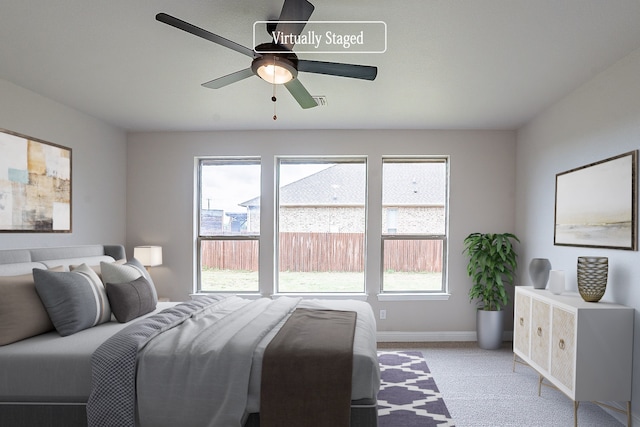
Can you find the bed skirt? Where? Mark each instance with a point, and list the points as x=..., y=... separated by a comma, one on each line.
x=75, y=415
x=56, y=415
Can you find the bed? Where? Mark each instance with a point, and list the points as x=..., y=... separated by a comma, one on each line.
x=46, y=379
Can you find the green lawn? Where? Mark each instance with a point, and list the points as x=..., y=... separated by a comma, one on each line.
x=247, y=281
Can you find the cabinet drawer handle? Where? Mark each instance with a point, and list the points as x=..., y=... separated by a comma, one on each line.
x=522, y=321
x=561, y=344
x=539, y=331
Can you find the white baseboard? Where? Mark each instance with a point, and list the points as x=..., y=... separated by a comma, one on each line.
x=397, y=336
x=443, y=336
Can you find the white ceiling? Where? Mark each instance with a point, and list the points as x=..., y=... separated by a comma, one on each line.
x=449, y=64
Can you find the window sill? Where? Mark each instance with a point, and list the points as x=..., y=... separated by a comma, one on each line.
x=253, y=295
x=413, y=297
x=248, y=295
x=358, y=296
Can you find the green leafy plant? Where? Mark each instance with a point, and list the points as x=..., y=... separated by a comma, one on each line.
x=493, y=262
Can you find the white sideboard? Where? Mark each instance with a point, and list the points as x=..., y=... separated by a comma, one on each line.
x=584, y=349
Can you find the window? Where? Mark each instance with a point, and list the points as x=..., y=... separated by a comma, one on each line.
x=320, y=226
x=321, y=215
x=414, y=215
x=228, y=224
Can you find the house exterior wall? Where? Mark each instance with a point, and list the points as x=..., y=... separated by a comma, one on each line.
x=253, y=219
x=414, y=220
x=323, y=219
x=320, y=219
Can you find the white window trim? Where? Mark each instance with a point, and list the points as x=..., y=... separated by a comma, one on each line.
x=328, y=295
x=443, y=294
x=197, y=283
x=278, y=160
x=373, y=238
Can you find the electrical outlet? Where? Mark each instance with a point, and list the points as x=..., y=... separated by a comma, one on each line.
x=383, y=314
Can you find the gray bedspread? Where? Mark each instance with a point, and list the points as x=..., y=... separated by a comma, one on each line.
x=196, y=373
x=113, y=390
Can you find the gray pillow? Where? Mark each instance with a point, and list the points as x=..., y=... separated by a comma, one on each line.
x=74, y=300
x=124, y=273
x=130, y=300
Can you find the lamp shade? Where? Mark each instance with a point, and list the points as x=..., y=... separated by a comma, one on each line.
x=148, y=256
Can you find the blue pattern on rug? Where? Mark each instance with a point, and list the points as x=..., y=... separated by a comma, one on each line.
x=408, y=394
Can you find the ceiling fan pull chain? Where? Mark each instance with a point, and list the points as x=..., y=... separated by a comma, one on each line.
x=274, y=99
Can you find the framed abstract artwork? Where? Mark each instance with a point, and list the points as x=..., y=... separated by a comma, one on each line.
x=596, y=204
x=35, y=185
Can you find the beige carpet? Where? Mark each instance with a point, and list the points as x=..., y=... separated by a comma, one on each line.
x=481, y=390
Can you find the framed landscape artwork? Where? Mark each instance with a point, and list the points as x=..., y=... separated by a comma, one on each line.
x=35, y=185
x=596, y=204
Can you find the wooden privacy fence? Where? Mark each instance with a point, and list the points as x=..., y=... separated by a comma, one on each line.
x=413, y=255
x=320, y=252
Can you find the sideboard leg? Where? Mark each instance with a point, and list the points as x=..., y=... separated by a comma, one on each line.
x=629, y=414
x=540, y=378
x=575, y=413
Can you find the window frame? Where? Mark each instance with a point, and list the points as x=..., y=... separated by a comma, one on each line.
x=443, y=292
x=222, y=160
x=319, y=159
x=268, y=237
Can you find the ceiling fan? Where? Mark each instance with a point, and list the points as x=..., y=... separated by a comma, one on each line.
x=275, y=62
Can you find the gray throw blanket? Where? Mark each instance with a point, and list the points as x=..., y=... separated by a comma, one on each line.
x=112, y=399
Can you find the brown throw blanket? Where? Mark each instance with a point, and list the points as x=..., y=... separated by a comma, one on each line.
x=306, y=371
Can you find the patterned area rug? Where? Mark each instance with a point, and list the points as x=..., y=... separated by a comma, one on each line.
x=408, y=394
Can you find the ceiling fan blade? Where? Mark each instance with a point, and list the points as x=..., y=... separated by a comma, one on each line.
x=293, y=10
x=228, y=79
x=197, y=31
x=301, y=95
x=354, y=71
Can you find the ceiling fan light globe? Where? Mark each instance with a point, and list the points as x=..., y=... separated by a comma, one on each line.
x=274, y=69
x=274, y=74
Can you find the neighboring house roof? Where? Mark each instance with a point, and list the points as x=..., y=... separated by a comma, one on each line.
x=405, y=184
x=414, y=184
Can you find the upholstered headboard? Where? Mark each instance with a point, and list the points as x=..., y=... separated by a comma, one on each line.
x=23, y=261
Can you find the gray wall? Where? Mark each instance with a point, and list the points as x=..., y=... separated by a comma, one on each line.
x=160, y=202
x=599, y=120
x=98, y=167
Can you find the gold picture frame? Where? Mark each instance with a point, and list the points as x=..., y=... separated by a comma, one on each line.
x=35, y=185
x=596, y=204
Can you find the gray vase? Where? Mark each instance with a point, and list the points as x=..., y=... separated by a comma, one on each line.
x=539, y=272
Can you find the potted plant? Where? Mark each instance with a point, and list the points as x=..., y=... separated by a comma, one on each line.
x=492, y=266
